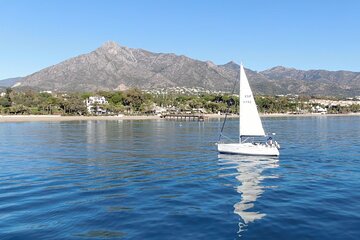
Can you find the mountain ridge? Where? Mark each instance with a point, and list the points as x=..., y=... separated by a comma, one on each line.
x=115, y=67
x=9, y=82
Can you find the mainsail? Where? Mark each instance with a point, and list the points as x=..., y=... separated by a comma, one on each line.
x=250, y=123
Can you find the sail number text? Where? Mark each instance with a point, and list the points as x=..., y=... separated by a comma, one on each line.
x=247, y=98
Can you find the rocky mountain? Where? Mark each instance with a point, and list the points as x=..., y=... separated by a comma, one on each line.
x=9, y=82
x=114, y=67
x=316, y=82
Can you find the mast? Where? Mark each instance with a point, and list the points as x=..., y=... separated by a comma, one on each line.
x=241, y=66
x=227, y=111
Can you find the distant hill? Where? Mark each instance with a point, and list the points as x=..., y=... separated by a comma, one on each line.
x=114, y=67
x=316, y=82
x=9, y=82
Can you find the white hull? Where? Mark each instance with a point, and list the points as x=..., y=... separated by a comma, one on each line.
x=248, y=149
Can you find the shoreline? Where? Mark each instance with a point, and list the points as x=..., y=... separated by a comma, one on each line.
x=59, y=118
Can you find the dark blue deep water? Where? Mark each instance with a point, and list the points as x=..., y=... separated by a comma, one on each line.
x=165, y=180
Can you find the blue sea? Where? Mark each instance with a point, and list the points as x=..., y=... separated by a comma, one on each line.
x=160, y=179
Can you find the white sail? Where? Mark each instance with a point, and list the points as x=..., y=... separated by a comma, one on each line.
x=250, y=123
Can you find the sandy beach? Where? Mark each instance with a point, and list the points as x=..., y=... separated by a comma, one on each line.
x=58, y=118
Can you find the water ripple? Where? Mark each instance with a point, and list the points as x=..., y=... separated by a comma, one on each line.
x=160, y=180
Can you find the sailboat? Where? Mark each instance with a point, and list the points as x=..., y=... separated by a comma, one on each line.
x=250, y=127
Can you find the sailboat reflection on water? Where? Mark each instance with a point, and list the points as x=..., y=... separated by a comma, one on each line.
x=250, y=176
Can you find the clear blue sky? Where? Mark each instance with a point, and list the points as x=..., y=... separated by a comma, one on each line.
x=301, y=34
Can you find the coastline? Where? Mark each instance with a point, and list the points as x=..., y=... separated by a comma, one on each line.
x=59, y=118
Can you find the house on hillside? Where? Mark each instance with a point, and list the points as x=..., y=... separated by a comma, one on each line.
x=94, y=105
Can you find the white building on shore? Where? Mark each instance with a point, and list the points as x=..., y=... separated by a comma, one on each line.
x=319, y=109
x=94, y=105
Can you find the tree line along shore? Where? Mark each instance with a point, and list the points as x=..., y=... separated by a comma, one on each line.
x=134, y=102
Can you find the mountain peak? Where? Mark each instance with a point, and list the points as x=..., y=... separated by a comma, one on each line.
x=114, y=51
x=279, y=69
x=110, y=45
x=232, y=65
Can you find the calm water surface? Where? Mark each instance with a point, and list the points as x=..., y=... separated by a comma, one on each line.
x=164, y=180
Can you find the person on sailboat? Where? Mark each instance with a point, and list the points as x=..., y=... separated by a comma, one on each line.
x=269, y=141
